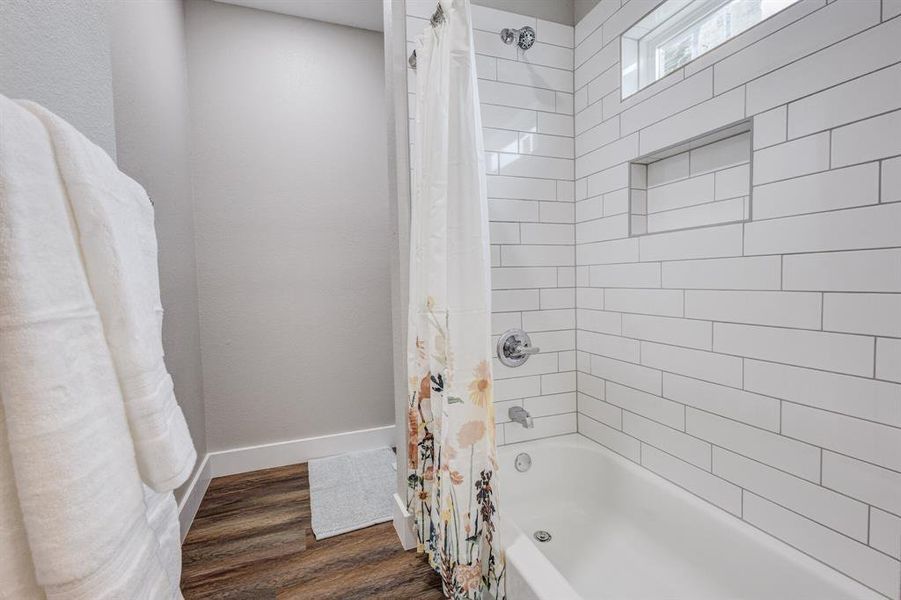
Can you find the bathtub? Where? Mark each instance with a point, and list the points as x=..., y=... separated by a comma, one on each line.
x=621, y=532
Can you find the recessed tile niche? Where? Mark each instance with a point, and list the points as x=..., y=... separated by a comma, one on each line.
x=703, y=181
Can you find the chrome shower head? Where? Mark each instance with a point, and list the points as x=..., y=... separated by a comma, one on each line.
x=524, y=37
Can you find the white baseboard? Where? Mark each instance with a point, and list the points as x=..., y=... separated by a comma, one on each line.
x=190, y=502
x=403, y=524
x=266, y=456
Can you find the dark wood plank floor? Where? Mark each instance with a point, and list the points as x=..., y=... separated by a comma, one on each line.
x=251, y=540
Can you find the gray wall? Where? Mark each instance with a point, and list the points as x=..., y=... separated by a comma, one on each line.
x=152, y=132
x=558, y=11
x=583, y=7
x=58, y=54
x=292, y=225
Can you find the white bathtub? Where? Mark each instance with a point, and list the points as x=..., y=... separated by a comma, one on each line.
x=621, y=532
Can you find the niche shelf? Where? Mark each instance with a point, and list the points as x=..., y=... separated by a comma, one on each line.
x=700, y=182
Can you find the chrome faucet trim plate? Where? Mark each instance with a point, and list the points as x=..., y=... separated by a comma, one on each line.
x=515, y=347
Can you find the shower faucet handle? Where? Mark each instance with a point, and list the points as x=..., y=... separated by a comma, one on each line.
x=515, y=347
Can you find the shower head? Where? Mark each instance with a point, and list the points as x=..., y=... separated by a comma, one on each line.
x=524, y=37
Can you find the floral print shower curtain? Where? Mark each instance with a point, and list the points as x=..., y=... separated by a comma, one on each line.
x=451, y=455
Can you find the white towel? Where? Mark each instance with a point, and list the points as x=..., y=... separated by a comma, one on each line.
x=80, y=523
x=16, y=573
x=116, y=234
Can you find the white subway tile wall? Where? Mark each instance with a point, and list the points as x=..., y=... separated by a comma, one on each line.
x=756, y=364
x=527, y=107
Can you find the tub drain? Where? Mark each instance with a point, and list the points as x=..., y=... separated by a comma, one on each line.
x=542, y=536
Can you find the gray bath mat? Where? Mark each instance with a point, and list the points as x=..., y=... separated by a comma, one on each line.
x=351, y=491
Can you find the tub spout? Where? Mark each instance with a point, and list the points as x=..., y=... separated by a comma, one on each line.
x=520, y=415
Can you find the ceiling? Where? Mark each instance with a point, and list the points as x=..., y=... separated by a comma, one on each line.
x=365, y=14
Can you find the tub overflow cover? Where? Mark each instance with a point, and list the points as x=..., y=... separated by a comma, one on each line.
x=523, y=462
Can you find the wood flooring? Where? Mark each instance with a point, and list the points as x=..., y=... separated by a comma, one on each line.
x=251, y=540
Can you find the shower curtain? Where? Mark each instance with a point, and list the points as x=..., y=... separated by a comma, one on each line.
x=452, y=458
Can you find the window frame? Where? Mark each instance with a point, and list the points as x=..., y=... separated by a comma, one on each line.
x=639, y=44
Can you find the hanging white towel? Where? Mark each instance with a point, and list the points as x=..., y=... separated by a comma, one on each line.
x=80, y=523
x=114, y=220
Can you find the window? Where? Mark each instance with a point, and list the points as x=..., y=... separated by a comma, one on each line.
x=678, y=31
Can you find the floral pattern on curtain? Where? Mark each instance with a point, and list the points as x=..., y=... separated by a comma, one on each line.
x=450, y=426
